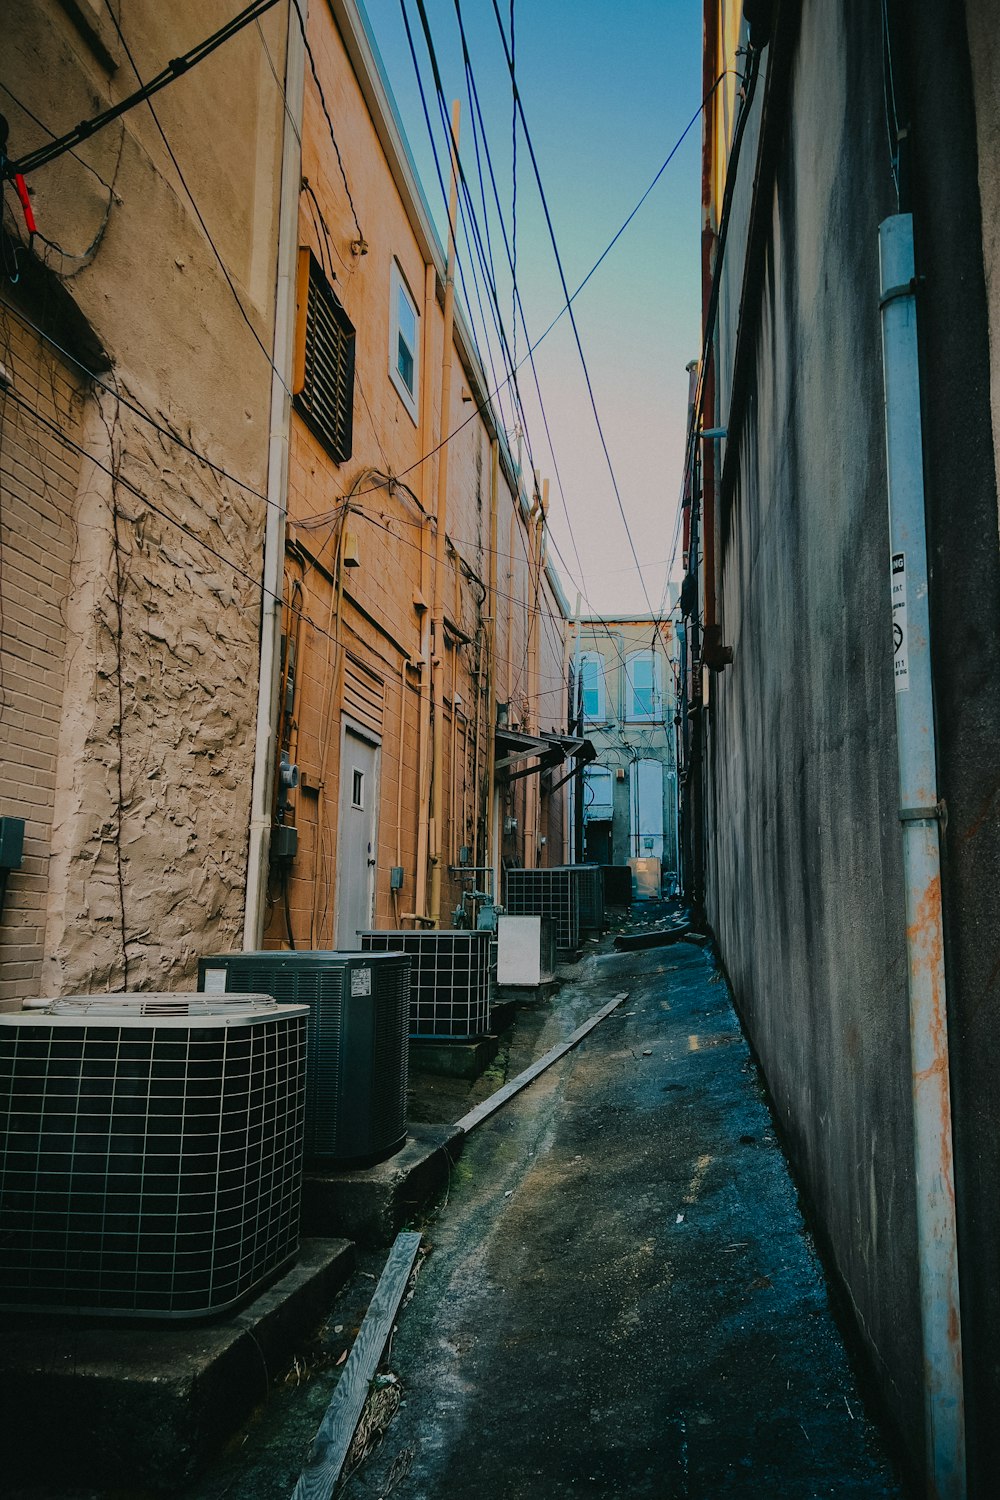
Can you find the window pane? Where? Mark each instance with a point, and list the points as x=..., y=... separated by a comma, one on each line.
x=407, y=320
x=404, y=364
x=590, y=679
x=640, y=671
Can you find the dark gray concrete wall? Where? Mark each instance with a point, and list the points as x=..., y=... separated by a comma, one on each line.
x=953, y=207
x=804, y=883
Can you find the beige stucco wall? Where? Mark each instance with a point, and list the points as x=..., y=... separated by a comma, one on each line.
x=150, y=803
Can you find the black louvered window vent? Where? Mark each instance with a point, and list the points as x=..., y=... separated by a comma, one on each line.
x=326, y=399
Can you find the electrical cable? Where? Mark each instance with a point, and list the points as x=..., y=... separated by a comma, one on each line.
x=361, y=241
x=134, y=490
x=566, y=293
x=566, y=306
x=512, y=263
x=51, y=133
x=175, y=68
x=477, y=111
x=498, y=386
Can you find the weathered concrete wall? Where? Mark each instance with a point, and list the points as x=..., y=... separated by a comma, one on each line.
x=804, y=885
x=955, y=226
x=984, y=52
x=148, y=848
x=804, y=867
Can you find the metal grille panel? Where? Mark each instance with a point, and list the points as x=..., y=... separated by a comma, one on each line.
x=150, y=1166
x=358, y=1050
x=590, y=889
x=449, y=979
x=547, y=893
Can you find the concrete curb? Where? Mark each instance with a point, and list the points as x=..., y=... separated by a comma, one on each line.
x=372, y=1204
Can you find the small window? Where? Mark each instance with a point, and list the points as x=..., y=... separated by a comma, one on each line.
x=358, y=790
x=598, y=795
x=592, y=686
x=323, y=384
x=404, y=342
x=643, y=694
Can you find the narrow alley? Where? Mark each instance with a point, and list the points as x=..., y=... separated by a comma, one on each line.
x=618, y=1294
x=499, y=724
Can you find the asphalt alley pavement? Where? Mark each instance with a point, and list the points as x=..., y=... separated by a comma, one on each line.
x=621, y=1297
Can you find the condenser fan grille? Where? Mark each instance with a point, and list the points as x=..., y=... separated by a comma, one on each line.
x=358, y=1042
x=147, y=1169
x=547, y=893
x=449, y=979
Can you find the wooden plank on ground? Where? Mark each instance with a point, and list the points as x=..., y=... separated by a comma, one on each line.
x=496, y=1101
x=336, y=1431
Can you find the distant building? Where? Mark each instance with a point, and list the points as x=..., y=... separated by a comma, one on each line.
x=399, y=658
x=626, y=667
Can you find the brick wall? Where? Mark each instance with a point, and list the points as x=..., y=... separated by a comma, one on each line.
x=38, y=483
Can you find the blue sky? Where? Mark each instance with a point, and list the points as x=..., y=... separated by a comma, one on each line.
x=607, y=90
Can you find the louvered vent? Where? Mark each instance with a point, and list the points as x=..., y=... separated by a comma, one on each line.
x=325, y=363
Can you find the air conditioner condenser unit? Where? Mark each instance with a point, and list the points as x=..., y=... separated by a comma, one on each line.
x=151, y=1164
x=358, y=1042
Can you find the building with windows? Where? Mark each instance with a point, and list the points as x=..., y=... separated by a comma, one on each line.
x=270, y=574
x=136, y=342
x=624, y=670
x=413, y=562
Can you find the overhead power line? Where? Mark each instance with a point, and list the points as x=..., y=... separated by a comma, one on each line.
x=566, y=293
x=175, y=68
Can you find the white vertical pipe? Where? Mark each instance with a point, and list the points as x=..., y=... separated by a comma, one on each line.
x=919, y=811
x=277, y=483
x=575, y=788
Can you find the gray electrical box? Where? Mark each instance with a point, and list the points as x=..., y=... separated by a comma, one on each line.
x=284, y=842
x=11, y=843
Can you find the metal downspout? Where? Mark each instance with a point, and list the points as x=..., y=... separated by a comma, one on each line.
x=919, y=812
x=277, y=484
x=441, y=532
x=490, y=856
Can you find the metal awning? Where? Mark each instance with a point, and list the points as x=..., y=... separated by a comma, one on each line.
x=513, y=746
x=546, y=750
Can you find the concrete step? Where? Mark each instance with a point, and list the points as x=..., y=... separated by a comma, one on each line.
x=143, y=1408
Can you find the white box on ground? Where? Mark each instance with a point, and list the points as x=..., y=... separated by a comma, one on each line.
x=645, y=878
x=525, y=950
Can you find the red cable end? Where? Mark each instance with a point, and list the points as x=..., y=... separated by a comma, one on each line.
x=22, y=193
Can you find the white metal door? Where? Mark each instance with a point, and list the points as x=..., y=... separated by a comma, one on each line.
x=356, y=837
x=647, y=809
